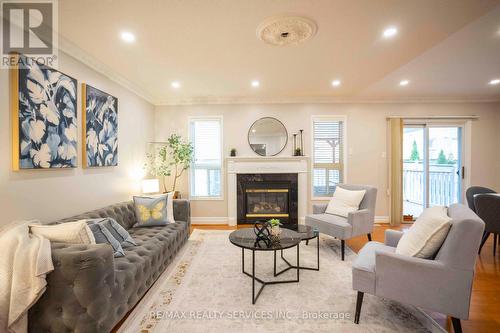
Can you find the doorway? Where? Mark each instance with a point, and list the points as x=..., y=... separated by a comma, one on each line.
x=433, y=166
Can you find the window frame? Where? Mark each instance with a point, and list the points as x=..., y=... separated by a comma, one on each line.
x=222, y=180
x=315, y=118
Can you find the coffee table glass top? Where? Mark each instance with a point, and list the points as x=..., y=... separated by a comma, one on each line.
x=246, y=238
x=306, y=232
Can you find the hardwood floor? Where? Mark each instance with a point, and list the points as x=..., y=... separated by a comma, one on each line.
x=485, y=303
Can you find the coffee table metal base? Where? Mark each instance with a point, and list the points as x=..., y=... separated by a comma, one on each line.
x=290, y=266
x=262, y=282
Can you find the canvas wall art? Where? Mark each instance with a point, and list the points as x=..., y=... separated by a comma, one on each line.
x=44, y=117
x=100, y=128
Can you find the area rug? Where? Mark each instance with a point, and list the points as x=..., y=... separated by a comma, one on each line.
x=204, y=290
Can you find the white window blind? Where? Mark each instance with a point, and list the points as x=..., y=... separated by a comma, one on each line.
x=205, y=172
x=328, y=156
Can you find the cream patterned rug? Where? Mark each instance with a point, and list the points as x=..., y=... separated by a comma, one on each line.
x=204, y=290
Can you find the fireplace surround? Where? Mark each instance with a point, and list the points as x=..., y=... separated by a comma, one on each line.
x=266, y=196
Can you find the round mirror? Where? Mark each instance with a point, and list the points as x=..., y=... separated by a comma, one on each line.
x=267, y=136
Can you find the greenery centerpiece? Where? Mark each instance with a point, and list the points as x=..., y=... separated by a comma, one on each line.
x=275, y=227
x=169, y=159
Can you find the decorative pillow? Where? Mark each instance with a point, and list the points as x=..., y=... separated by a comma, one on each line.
x=427, y=234
x=151, y=211
x=103, y=236
x=69, y=232
x=118, y=232
x=344, y=201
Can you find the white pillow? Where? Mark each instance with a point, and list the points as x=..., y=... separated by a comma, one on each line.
x=344, y=201
x=70, y=232
x=427, y=234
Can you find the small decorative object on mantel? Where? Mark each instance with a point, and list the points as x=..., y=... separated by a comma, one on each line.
x=169, y=159
x=298, y=147
x=232, y=152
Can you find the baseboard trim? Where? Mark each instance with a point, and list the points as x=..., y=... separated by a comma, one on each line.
x=209, y=220
x=382, y=219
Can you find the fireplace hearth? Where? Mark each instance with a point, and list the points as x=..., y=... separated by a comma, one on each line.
x=266, y=196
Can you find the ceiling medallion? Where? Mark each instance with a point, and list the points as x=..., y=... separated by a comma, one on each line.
x=286, y=30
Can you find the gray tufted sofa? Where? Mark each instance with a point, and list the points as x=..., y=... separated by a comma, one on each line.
x=89, y=290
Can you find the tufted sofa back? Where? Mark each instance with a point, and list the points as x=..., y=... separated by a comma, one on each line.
x=122, y=212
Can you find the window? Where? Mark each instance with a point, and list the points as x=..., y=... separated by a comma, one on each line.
x=328, y=155
x=205, y=171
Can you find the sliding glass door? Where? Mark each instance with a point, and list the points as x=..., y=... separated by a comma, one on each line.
x=432, y=166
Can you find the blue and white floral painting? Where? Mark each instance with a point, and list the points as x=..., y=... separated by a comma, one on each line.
x=101, y=128
x=47, y=118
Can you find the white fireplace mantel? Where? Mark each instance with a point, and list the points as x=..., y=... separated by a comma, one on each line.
x=239, y=165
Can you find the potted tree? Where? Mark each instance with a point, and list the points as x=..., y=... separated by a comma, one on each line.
x=170, y=159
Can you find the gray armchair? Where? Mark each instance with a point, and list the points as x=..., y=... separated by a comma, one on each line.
x=442, y=284
x=357, y=223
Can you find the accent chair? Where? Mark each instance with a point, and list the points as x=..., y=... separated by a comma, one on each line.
x=357, y=223
x=442, y=284
x=472, y=191
x=488, y=209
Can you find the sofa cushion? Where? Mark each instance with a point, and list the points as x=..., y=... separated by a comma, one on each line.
x=363, y=267
x=332, y=225
x=118, y=232
x=427, y=234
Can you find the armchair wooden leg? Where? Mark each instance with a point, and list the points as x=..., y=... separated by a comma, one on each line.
x=359, y=302
x=495, y=244
x=342, y=248
x=369, y=237
x=457, y=327
x=307, y=242
x=485, y=237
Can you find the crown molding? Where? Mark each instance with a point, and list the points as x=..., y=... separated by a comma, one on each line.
x=79, y=54
x=212, y=100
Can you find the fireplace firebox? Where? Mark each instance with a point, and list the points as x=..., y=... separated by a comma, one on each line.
x=267, y=196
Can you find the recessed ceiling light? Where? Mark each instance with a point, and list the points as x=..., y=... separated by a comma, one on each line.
x=390, y=32
x=494, y=82
x=175, y=85
x=336, y=83
x=404, y=83
x=127, y=37
x=255, y=83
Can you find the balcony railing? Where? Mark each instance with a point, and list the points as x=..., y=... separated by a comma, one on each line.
x=443, y=183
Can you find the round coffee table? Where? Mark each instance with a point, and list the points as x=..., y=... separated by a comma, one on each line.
x=246, y=239
x=306, y=233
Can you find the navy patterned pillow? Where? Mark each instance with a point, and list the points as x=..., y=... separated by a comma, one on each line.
x=103, y=236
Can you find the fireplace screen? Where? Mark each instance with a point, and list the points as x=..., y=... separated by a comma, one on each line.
x=267, y=202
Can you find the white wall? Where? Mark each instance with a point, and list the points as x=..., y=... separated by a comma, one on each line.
x=52, y=194
x=366, y=138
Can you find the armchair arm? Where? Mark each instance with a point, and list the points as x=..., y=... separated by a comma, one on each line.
x=319, y=208
x=425, y=283
x=392, y=237
x=81, y=286
x=361, y=222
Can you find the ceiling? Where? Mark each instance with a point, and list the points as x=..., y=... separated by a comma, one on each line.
x=447, y=49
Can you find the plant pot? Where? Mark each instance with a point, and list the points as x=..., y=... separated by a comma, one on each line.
x=276, y=231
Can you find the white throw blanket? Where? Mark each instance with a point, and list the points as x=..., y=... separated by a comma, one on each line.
x=25, y=260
